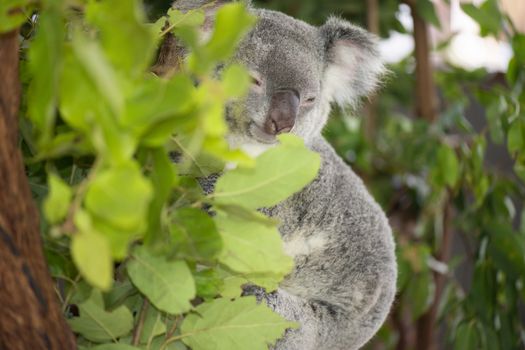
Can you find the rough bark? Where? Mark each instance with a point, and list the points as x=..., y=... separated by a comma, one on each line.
x=30, y=316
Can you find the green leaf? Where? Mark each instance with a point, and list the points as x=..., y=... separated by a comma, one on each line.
x=251, y=247
x=446, y=170
x=507, y=248
x=91, y=101
x=208, y=282
x=467, y=337
x=127, y=41
x=278, y=173
x=519, y=169
x=518, y=46
x=231, y=23
x=56, y=204
x=191, y=18
x=163, y=178
x=222, y=324
x=96, y=324
x=100, y=71
x=233, y=282
x=92, y=256
x=426, y=9
x=114, y=347
x=169, y=285
x=420, y=293
x=236, y=80
x=120, y=291
x=153, y=325
x=516, y=136
x=194, y=235
x=45, y=63
x=157, y=100
x=120, y=195
x=12, y=14
x=488, y=16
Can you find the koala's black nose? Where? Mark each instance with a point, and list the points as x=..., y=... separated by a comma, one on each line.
x=283, y=111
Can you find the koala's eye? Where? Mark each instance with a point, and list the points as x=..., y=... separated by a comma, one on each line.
x=310, y=99
x=256, y=82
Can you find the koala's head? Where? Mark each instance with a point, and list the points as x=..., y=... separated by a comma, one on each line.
x=297, y=71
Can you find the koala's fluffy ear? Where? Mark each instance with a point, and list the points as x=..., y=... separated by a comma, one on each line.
x=352, y=62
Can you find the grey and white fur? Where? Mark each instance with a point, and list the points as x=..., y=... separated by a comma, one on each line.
x=344, y=280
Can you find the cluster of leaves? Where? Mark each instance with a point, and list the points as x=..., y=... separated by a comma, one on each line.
x=139, y=260
x=443, y=176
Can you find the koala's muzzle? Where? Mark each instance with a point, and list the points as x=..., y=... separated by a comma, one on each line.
x=284, y=106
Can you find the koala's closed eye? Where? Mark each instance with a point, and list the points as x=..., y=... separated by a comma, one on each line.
x=256, y=81
x=309, y=100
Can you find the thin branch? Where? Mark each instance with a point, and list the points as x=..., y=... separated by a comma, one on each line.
x=137, y=331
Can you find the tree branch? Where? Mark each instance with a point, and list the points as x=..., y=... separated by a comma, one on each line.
x=30, y=316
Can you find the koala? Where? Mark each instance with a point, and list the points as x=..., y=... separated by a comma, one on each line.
x=344, y=280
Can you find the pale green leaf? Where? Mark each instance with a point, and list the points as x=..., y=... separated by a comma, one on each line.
x=126, y=40
x=11, y=14
x=169, y=285
x=56, y=204
x=120, y=195
x=45, y=63
x=191, y=18
x=235, y=80
x=101, y=73
x=222, y=324
x=278, y=173
x=231, y=23
x=92, y=256
x=252, y=247
x=156, y=100
x=96, y=324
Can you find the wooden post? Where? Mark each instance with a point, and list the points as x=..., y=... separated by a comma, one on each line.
x=30, y=316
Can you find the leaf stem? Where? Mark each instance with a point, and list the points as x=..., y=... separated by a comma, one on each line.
x=137, y=331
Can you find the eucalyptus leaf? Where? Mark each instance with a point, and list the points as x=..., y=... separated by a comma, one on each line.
x=252, y=247
x=120, y=195
x=98, y=325
x=97, y=269
x=56, y=204
x=278, y=173
x=222, y=324
x=169, y=285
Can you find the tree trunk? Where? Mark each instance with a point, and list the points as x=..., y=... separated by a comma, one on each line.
x=30, y=316
x=426, y=98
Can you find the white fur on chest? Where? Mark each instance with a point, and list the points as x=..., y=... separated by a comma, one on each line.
x=299, y=245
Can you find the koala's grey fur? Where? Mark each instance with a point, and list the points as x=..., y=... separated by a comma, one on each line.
x=344, y=279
